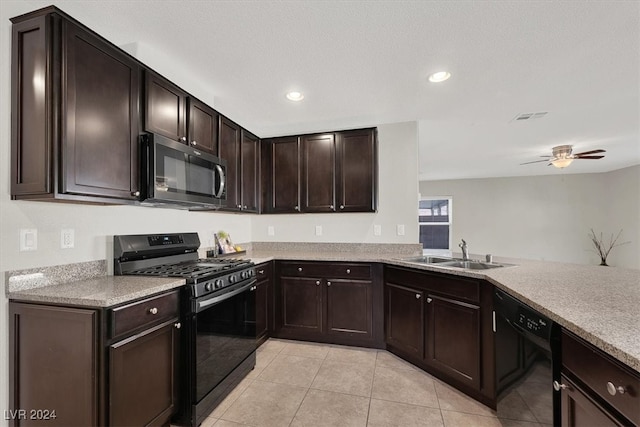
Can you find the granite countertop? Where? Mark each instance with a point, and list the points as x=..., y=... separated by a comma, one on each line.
x=599, y=304
x=102, y=291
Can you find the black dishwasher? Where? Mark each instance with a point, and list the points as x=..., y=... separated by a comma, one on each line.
x=527, y=360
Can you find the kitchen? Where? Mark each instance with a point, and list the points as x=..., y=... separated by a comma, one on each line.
x=398, y=143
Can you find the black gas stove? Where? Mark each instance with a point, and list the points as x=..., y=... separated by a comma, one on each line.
x=176, y=255
x=218, y=313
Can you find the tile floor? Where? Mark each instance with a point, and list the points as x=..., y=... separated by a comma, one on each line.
x=307, y=384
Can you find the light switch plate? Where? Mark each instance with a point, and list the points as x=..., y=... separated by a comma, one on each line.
x=377, y=230
x=318, y=230
x=400, y=229
x=28, y=239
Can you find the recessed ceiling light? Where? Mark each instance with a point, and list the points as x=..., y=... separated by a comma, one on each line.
x=440, y=76
x=295, y=96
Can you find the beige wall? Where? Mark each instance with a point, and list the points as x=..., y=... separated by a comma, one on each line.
x=546, y=217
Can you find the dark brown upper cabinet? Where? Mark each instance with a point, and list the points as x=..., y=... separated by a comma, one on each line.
x=328, y=172
x=75, y=104
x=250, y=172
x=173, y=113
x=281, y=176
x=230, y=152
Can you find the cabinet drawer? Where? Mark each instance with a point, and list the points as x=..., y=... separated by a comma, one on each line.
x=459, y=288
x=596, y=369
x=264, y=271
x=143, y=314
x=341, y=270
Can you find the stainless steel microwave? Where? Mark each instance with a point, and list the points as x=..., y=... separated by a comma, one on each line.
x=179, y=176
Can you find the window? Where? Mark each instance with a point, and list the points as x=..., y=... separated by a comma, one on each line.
x=434, y=219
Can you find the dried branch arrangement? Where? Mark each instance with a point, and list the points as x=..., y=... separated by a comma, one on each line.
x=602, y=248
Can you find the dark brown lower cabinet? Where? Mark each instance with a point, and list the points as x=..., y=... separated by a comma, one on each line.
x=442, y=324
x=264, y=301
x=142, y=376
x=579, y=410
x=78, y=367
x=330, y=302
x=54, y=366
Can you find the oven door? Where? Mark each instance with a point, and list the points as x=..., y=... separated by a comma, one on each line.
x=179, y=174
x=225, y=335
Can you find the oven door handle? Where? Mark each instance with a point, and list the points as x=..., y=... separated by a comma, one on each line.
x=202, y=304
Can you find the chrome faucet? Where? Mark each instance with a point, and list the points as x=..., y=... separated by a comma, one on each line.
x=465, y=250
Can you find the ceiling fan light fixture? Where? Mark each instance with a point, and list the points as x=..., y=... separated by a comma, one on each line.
x=562, y=162
x=439, y=77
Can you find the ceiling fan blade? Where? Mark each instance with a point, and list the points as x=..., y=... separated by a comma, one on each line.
x=588, y=157
x=535, y=161
x=589, y=152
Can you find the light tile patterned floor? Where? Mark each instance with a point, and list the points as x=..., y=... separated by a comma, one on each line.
x=306, y=384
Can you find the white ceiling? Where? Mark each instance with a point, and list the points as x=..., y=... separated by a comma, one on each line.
x=364, y=63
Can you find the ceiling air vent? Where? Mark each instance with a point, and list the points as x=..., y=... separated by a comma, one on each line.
x=529, y=116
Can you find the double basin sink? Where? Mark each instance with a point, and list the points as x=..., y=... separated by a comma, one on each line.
x=453, y=262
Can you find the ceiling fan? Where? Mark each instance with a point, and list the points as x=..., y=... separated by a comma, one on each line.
x=561, y=156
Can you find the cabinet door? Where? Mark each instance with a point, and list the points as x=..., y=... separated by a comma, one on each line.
x=577, y=409
x=283, y=180
x=54, y=363
x=203, y=126
x=318, y=173
x=301, y=308
x=230, y=152
x=453, y=339
x=142, y=374
x=100, y=117
x=356, y=171
x=250, y=172
x=264, y=308
x=166, y=108
x=404, y=319
x=349, y=308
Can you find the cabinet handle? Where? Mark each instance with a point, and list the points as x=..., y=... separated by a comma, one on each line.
x=153, y=310
x=328, y=283
x=299, y=269
x=341, y=206
x=239, y=206
x=418, y=296
x=177, y=325
x=558, y=386
x=260, y=271
x=297, y=208
x=348, y=271
x=244, y=207
x=194, y=143
x=183, y=139
x=135, y=193
x=429, y=300
x=253, y=288
x=331, y=207
x=317, y=282
x=612, y=389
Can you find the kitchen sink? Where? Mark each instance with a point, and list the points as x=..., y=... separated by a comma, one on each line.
x=471, y=265
x=428, y=259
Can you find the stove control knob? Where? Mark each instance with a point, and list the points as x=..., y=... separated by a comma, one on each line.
x=219, y=283
x=233, y=278
x=208, y=287
x=252, y=273
x=244, y=275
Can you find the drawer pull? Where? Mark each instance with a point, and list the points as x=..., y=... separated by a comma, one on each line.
x=612, y=389
x=418, y=296
x=299, y=269
x=177, y=325
x=317, y=282
x=429, y=300
x=153, y=310
x=328, y=283
x=260, y=271
x=348, y=271
x=558, y=386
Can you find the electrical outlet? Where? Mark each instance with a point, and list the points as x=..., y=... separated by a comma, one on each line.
x=271, y=231
x=28, y=239
x=318, y=230
x=377, y=230
x=67, y=238
x=400, y=229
